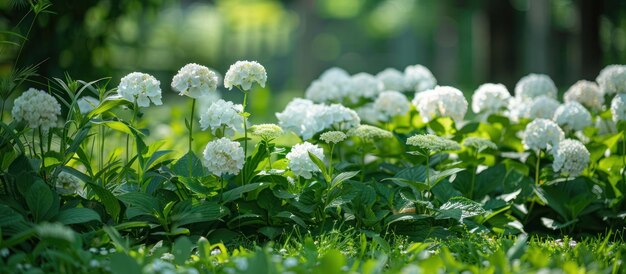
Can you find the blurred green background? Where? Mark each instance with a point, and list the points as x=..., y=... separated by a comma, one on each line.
x=464, y=43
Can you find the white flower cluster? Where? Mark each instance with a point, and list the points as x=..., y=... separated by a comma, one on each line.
x=391, y=103
x=418, y=78
x=587, y=93
x=37, y=108
x=612, y=79
x=86, y=104
x=333, y=137
x=432, y=142
x=67, y=184
x=195, y=81
x=392, y=79
x=490, y=98
x=572, y=116
x=306, y=118
x=368, y=114
x=222, y=114
x=442, y=101
x=542, y=134
x=535, y=85
x=332, y=86
x=243, y=74
x=618, y=107
x=223, y=156
x=266, y=131
x=541, y=107
x=571, y=158
x=299, y=161
x=141, y=88
x=364, y=85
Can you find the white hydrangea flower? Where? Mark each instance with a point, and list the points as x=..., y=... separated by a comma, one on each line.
x=222, y=114
x=37, y=108
x=571, y=158
x=391, y=103
x=517, y=108
x=324, y=92
x=535, y=85
x=67, y=184
x=542, y=107
x=141, y=88
x=432, y=142
x=369, y=133
x=338, y=78
x=266, y=131
x=243, y=74
x=194, y=80
x=606, y=126
x=333, y=137
x=612, y=79
x=205, y=101
x=364, y=85
x=418, y=78
x=87, y=103
x=618, y=107
x=587, y=93
x=542, y=134
x=338, y=117
x=572, y=116
x=306, y=118
x=392, y=79
x=223, y=156
x=442, y=101
x=368, y=114
x=299, y=161
x=490, y=98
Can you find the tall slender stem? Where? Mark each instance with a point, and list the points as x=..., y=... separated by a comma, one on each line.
x=428, y=173
x=537, y=167
x=244, y=176
x=193, y=106
x=474, y=169
x=330, y=161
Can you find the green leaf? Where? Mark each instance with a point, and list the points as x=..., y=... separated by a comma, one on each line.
x=291, y=216
x=107, y=105
x=460, y=208
x=331, y=263
x=208, y=211
x=195, y=186
x=145, y=203
x=341, y=177
x=77, y=216
x=111, y=204
x=39, y=199
x=189, y=160
x=488, y=180
x=320, y=164
x=181, y=250
x=8, y=216
x=124, y=264
x=437, y=176
x=404, y=217
x=252, y=163
x=554, y=225
x=235, y=193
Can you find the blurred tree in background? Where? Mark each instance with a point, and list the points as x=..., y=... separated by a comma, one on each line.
x=464, y=43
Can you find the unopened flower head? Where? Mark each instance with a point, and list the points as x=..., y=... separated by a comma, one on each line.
x=194, y=80
x=587, y=93
x=222, y=114
x=364, y=85
x=266, y=131
x=442, y=101
x=479, y=143
x=243, y=74
x=67, y=184
x=535, y=85
x=37, y=108
x=369, y=133
x=141, y=88
x=223, y=156
x=87, y=103
x=418, y=78
x=391, y=103
x=542, y=134
x=542, y=107
x=618, y=107
x=612, y=79
x=299, y=161
x=392, y=79
x=333, y=137
x=432, y=142
x=490, y=98
x=572, y=116
x=571, y=158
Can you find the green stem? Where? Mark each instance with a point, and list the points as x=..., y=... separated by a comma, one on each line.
x=269, y=154
x=537, y=168
x=474, y=170
x=245, y=136
x=193, y=106
x=330, y=161
x=363, y=162
x=428, y=173
x=43, y=158
x=624, y=163
x=221, y=188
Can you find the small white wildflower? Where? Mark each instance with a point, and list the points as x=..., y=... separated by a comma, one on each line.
x=86, y=104
x=418, y=78
x=216, y=251
x=432, y=142
x=290, y=262
x=67, y=184
x=4, y=252
x=618, y=107
x=299, y=161
x=587, y=93
x=241, y=263
x=542, y=134
x=266, y=131
x=490, y=98
x=104, y=252
x=159, y=266
x=572, y=116
x=535, y=85
x=479, y=143
x=93, y=250
x=333, y=137
x=223, y=156
x=167, y=256
x=392, y=79
x=442, y=101
x=542, y=107
x=222, y=114
x=195, y=81
x=37, y=108
x=141, y=88
x=364, y=85
x=571, y=158
x=391, y=103
x=612, y=79
x=243, y=74
x=369, y=133
x=94, y=263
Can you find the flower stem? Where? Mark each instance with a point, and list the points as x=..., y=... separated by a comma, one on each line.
x=428, y=173
x=537, y=168
x=244, y=176
x=330, y=161
x=471, y=193
x=193, y=106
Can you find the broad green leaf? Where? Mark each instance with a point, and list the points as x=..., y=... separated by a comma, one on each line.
x=107, y=105
x=144, y=202
x=236, y=193
x=331, y=263
x=77, y=216
x=205, y=212
x=341, y=177
x=189, y=166
x=8, y=216
x=124, y=264
x=181, y=250
x=404, y=217
x=460, y=208
x=194, y=185
x=320, y=164
x=39, y=199
x=291, y=216
x=554, y=225
x=111, y=204
x=271, y=232
x=488, y=180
